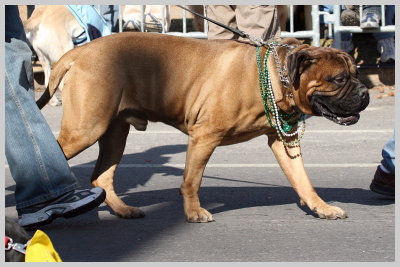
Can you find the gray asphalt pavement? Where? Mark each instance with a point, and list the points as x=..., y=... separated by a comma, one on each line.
x=257, y=213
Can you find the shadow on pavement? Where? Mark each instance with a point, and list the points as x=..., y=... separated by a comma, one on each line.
x=87, y=238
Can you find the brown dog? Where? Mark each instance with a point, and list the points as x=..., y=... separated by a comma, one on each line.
x=208, y=90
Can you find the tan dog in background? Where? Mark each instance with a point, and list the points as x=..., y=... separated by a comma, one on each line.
x=207, y=89
x=51, y=30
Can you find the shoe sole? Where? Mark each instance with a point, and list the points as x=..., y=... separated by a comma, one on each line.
x=48, y=214
x=381, y=189
x=369, y=25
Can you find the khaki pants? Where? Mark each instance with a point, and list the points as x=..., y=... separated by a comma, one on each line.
x=259, y=21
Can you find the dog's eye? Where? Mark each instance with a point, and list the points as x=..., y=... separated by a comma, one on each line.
x=340, y=80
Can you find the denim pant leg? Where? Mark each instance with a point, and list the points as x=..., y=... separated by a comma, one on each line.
x=36, y=161
x=388, y=155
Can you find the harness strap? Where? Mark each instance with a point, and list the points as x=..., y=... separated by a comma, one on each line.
x=81, y=38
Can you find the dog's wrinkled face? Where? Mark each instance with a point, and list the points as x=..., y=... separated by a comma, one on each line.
x=325, y=84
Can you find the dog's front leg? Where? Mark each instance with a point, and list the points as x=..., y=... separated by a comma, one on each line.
x=291, y=162
x=198, y=153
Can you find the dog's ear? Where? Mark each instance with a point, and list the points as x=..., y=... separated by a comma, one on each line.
x=297, y=63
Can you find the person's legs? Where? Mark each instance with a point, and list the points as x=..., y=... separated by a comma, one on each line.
x=388, y=155
x=225, y=15
x=385, y=40
x=36, y=161
x=347, y=42
x=260, y=21
x=384, y=178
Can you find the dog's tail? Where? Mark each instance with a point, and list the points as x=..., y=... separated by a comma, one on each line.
x=57, y=76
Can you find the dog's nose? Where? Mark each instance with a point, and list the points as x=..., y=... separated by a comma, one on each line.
x=364, y=97
x=363, y=92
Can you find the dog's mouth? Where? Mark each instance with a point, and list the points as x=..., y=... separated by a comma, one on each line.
x=346, y=120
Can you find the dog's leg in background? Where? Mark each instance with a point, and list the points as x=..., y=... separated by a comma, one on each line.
x=291, y=162
x=46, y=65
x=200, y=148
x=111, y=148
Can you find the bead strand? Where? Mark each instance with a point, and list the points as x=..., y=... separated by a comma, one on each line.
x=271, y=107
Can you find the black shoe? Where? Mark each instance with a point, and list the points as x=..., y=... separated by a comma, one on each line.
x=67, y=205
x=383, y=183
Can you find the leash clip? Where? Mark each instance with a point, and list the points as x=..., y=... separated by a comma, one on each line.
x=256, y=40
x=10, y=245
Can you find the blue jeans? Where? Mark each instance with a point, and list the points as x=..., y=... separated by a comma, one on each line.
x=388, y=155
x=36, y=161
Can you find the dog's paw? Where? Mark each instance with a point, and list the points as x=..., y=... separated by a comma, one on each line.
x=130, y=213
x=199, y=215
x=54, y=102
x=330, y=212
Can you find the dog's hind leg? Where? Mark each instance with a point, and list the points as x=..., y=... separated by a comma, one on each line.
x=111, y=148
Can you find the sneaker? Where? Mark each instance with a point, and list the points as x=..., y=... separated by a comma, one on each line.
x=370, y=20
x=386, y=48
x=67, y=205
x=350, y=17
x=383, y=183
x=347, y=46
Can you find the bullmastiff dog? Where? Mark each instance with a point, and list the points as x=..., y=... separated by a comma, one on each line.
x=209, y=90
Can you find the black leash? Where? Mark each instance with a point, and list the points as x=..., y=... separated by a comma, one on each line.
x=237, y=31
x=258, y=41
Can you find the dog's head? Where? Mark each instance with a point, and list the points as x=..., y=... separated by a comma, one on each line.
x=325, y=83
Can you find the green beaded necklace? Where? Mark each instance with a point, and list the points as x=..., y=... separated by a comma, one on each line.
x=282, y=121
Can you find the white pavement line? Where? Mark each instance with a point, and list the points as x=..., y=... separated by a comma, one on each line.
x=352, y=131
x=250, y=165
x=307, y=131
x=239, y=165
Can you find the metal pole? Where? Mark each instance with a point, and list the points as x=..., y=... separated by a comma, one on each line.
x=163, y=19
x=184, y=20
x=205, y=22
x=383, y=15
x=142, y=18
x=120, y=17
x=315, y=19
x=291, y=19
x=337, y=37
